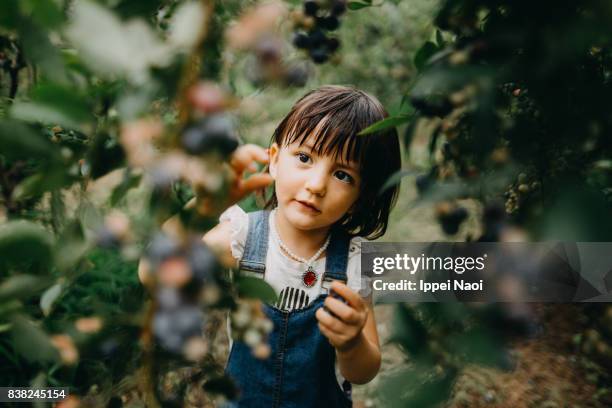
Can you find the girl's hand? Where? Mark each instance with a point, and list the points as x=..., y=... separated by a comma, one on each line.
x=345, y=328
x=244, y=159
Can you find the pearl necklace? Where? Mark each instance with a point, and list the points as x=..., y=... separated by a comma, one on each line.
x=309, y=277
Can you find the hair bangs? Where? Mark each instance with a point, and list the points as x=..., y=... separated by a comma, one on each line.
x=333, y=134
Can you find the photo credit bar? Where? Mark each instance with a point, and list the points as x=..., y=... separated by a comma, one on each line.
x=488, y=271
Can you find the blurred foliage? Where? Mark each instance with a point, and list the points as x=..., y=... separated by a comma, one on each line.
x=516, y=96
x=74, y=76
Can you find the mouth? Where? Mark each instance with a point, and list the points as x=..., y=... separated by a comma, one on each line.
x=308, y=206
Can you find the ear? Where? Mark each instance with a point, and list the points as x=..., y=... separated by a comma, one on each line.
x=274, y=152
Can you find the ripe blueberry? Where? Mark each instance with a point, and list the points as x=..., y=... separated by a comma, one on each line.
x=319, y=55
x=212, y=133
x=301, y=40
x=311, y=8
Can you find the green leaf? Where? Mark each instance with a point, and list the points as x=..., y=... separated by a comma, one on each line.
x=134, y=103
x=68, y=101
x=49, y=297
x=251, y=287
x=71, y=246
x=38, y=183
x=424, y=54
x=385, y=124
x=21, y=286
x=18, y=141
x=440, y=39
x=10, y=14
x=355, y=5
x=69, y=253
x=437, y=82
x=44, y=12
x=126, y=49
x=31, y=342
x=46, y=114
x=128, y=182
x=395, y=179
x=24, y=244
x=39, y=50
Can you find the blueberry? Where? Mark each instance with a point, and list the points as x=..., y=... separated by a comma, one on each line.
x=109, y=347
x=319, y=55
x=193, y=138
x=214, y=132
x=333, y=44
x=161, y=179
x=161, y=248
x=203, y=263
x=105, y=238
x=296, y=75
x=311, y=8
x=338, y=7
x=423, y=182
x=317, y=38
x=438, y=106
x=452, y=220
x=301, y=40
x=269, y=50
x=172, y=328
x=168, y=298
x=328, y=23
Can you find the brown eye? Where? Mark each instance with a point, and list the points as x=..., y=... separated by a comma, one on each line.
x=303, y=157
x=344, y=177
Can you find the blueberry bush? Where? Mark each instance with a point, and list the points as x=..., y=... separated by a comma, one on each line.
x=515, y=99
x=510, y=97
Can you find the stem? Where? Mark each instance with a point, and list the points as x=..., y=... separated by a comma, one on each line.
x=148, y=374
x=191, y=69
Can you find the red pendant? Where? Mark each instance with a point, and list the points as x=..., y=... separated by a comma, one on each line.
x=309, y=277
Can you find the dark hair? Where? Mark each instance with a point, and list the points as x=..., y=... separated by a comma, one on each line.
x=335, y=115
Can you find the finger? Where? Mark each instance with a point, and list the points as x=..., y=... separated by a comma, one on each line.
x=253, y=183
x=349, y=295
x=244, y=156
x=331, y=336
x=329, y=321
x=345, y=312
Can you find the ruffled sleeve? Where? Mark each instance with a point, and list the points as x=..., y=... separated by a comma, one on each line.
x=358, y=283
x=239, y=225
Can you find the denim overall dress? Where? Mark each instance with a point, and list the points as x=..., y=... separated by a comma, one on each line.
x=300, y=372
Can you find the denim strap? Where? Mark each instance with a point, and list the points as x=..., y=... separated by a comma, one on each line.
x=337, y=258
x=256, y=245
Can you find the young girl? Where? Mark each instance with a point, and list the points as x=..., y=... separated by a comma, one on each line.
x=306, y=245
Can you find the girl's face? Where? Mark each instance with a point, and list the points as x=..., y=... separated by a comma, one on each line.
x=313, y=191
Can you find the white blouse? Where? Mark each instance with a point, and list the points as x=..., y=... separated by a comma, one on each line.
x=284, y=274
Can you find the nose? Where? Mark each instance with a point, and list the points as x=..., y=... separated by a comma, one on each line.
x=316, y=183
